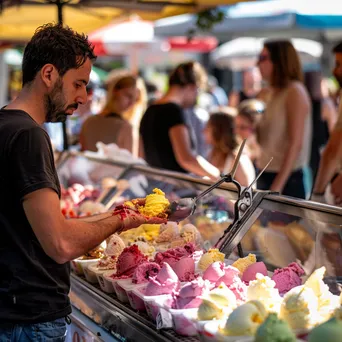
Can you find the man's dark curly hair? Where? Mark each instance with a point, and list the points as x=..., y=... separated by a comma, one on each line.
x=58, y=45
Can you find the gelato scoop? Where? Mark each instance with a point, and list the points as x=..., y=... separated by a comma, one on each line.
x=210, y=257
x=274, y=330
x=214, y=272
x=145, y=248
x=115, y=245
x=190, y=295
x=144, y=271
x=300, y=308
x=171, y=256
x=243, y=263
x=252, y=270
x=156, y=205
x=208, y=311
x=263, y=289
x=128, y=260
x=288, y=277
x=185, y=269
x=245, y=319
x=168, y=232
x=330, y=331
x=166, y=282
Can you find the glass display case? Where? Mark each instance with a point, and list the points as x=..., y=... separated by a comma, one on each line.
x=277, y=229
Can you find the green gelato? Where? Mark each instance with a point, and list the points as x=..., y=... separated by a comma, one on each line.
x=330, y=331
x=274, y=330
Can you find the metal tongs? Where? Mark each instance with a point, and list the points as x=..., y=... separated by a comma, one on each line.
x=185, y=207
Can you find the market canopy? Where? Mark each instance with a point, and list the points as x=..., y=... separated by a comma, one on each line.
x=20, y=18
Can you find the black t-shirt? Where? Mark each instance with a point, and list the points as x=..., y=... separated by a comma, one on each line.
x=154, y=130
x=33, y=287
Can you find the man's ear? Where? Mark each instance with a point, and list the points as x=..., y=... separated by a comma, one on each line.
x=49, y=75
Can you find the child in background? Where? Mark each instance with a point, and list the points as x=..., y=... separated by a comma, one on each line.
x=220, y=135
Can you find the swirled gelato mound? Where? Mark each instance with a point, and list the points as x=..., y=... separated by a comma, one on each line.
x=156, y=205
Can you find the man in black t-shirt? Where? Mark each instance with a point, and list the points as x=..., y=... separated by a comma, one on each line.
x=36, y=242
x=165, y=133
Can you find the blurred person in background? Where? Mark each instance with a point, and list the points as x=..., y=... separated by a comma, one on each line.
x=219, y=96
x=329, y=110
x=153, y=92
x=83, y=112
x=165, y=133
x=110, y=126
x=313, y=83
x=248, y=114
x=220, y=135
x=284, y=130
x=251, y=85
x=330, y=166
x=134, y=114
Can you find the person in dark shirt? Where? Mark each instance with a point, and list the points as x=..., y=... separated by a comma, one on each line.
x=165, y=135
x=36, y=241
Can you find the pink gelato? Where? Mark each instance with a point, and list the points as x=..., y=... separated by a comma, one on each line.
x=185, y=269
x=144, y=271
x=128, y=260
x=166, y=282
x=288, y=277
x=214, y=272
x=252, y=270
x=189, y=297
x=232, y=280
x=171, y=256
x=231, y=275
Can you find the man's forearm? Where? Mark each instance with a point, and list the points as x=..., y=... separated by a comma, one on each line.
x=93, y=233
x=95, y=218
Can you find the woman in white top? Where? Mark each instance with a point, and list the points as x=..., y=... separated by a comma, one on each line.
x=220, y=135
x=284, y=131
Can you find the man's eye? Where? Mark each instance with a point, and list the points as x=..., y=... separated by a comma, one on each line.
x=78, y=85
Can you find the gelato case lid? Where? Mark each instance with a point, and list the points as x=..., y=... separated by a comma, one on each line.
x=276, y=229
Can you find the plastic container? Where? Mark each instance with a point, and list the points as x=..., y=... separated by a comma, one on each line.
x=78, y=265
x=105, y=281
x=120, y=291
x=152, y=308
x=210, y=334
x=183, y=321
x=90, y=273
x=136, y=302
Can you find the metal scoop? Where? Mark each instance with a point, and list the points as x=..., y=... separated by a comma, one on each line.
x=185, y=207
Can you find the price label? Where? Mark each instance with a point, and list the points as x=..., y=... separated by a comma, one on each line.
x=163, y=319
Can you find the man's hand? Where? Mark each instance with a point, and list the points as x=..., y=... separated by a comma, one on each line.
x=336, y=189
x=132, y=218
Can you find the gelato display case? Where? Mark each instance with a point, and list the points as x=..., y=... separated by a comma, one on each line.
x=290, y=242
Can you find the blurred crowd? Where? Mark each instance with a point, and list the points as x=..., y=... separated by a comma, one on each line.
x=195, y=127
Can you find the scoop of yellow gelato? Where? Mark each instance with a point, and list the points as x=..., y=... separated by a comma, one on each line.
x=209, y=258
x=209, y=310
x=243, y=263
x=156, y=204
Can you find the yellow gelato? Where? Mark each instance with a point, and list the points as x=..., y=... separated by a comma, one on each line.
x=156, y=204
x=245, y=319
x=263, y=289
x=209, y=258
x=208, y=311
x=300, y=308
x=243, y=263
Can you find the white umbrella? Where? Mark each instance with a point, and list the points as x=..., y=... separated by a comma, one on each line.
x=242, y=53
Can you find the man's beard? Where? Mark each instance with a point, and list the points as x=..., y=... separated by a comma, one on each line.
x=55, y=104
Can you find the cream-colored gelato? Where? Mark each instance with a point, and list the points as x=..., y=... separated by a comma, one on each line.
x=208, y=311
x=115, y=245
x=263, y=289
x=300, y=308
x=245, y=319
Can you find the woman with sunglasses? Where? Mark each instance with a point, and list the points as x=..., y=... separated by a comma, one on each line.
x=284, y=131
